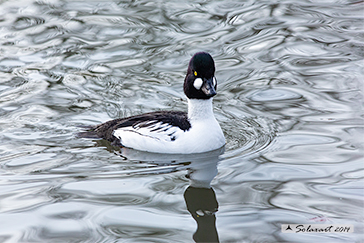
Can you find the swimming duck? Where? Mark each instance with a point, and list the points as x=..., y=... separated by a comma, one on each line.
x=173, y=132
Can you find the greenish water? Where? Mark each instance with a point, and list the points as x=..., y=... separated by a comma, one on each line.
x=290, y=103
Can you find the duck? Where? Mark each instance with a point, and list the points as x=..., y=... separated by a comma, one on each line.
x=172, y=132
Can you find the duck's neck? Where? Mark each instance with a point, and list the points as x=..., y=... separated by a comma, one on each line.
x=200, y=109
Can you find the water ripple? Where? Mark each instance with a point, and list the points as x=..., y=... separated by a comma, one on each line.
x=25, y=22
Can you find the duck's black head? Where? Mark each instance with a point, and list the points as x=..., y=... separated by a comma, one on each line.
x=200, y=81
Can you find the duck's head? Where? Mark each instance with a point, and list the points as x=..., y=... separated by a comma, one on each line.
x=200, y=81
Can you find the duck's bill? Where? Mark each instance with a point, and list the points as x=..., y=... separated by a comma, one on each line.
x=208, y=87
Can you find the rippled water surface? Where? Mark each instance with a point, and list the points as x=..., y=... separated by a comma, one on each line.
x=289, y=101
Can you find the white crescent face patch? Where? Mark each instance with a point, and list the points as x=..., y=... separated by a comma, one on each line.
x=197, y=83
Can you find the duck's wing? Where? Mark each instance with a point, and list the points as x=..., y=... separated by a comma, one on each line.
x=160, y=125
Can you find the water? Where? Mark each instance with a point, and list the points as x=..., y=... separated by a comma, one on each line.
x=290, y=95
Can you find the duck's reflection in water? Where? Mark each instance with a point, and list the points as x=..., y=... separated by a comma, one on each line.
x=202, y=205
x=199, y=196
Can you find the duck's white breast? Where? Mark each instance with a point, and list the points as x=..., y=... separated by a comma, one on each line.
x=204, y=135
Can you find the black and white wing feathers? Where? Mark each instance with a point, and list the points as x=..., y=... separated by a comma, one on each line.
x=158, y=125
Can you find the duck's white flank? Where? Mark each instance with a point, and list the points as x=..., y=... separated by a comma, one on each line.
x=204, y=135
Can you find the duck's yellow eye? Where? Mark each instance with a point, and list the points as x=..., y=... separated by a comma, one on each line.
x=195, y=73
